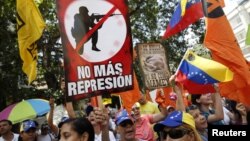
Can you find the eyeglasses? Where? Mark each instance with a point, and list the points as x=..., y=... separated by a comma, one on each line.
x=191, y=107
x=125, y=123
x=175, y=133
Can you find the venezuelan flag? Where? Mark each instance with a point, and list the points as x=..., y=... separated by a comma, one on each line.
x=182, y=18
x=197, y=74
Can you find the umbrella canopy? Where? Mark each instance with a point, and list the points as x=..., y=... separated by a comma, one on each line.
x=26, y=109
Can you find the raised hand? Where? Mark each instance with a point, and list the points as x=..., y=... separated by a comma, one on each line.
x=52, y=102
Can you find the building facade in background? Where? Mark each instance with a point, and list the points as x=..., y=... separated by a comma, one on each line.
x=238, y=15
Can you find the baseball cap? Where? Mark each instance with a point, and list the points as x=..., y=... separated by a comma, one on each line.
x=27, y=125
x=122, y=116
x=175, y=119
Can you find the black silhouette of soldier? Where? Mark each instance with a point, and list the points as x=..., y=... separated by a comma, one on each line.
x=82, y=24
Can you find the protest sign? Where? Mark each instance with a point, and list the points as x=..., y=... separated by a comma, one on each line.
x=97, y=47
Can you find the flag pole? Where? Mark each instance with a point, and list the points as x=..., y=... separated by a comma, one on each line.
x=181, y=61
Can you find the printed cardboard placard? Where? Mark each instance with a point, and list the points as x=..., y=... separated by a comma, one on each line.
x=153, y=63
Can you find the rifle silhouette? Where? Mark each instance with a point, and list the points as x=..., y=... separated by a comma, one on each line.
x=97, y=17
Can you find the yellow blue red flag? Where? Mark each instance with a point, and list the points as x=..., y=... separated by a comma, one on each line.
x=183, y=6
x=30, y=26
x=186, y=13
x=197, y=74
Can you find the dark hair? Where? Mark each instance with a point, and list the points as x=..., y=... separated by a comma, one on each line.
x=81, y=125
x=89, y=109
x=21, y=139
x=61, y=100
x=64, y=119
x=191, y=107
x=8, y=121
x=44, y=126
x=248, y=117
x=194, y=97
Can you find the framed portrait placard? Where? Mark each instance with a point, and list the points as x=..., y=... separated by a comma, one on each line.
x=153, y=64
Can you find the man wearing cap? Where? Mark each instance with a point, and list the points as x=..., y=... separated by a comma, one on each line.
x=46, y=134
x=177, y=125
x=28, y=131
x=5, y=131
x=125, y=127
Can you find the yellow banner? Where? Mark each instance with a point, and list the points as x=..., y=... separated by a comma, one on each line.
x=30, y=26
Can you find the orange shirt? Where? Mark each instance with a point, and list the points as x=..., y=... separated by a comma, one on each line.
x=144, y=129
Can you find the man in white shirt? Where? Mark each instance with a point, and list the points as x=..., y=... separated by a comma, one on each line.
x=45, y=134
x=5, y=131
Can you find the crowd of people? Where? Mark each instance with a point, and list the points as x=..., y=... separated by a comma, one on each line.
x=146, y=122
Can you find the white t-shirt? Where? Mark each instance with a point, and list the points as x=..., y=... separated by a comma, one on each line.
x=47, y=137
x=59, y=112
x=99, y=137
x=14, y=139
x=226, y=119
x=112, y=124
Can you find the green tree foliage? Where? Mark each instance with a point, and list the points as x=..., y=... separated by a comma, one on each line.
x=10, y=61
x=148, y=21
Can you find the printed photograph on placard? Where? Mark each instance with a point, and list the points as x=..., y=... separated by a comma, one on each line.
x=153, y=64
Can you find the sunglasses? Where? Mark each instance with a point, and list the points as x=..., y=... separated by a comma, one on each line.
x=126, y=122
x=175, y=133
x=136, y=108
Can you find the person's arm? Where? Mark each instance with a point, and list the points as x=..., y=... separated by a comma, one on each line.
x=179, y=102
x=70, y=110
x=105, y=125
x=102, y=118
x=159, y=116
x=218, y=115
x=177, y=89
x=54, y=128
